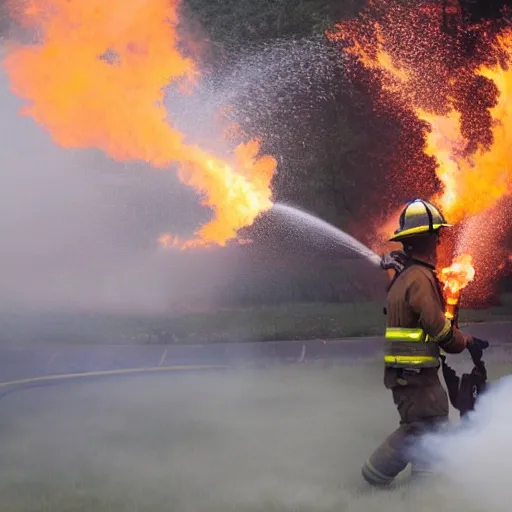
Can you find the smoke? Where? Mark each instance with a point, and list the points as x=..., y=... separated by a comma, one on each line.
x=282, y=439
x=473, y=458
x=79, y=231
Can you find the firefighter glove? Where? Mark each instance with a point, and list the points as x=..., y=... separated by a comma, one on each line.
x=480, y=344
x=476, y=348
x=394, y=260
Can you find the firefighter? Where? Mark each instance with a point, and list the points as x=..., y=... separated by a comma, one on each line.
x=416, y=331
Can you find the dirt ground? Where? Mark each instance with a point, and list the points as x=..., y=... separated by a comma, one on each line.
x=281, y=439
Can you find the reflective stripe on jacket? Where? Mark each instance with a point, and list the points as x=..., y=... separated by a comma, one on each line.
x=417, y=327
x=411, y=348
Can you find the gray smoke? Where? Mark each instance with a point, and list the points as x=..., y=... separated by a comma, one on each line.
x=79, y=230
x=283, y=439
x=473, y=459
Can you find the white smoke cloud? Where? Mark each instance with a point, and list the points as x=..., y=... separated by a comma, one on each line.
x=474, y=457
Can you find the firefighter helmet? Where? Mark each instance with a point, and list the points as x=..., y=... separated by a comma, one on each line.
x=417, y=218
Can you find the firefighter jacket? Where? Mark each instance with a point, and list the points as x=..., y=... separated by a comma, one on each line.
x=416, y=325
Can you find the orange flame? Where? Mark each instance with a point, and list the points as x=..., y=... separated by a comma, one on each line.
x=96, y=79
x=454, y=279
x=473, y=182
x=458, y=275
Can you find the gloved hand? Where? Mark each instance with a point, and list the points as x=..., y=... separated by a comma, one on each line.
x=481, y=344
x=395, y=260
x=476, y=346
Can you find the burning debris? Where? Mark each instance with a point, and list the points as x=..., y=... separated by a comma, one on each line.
x=95, y=78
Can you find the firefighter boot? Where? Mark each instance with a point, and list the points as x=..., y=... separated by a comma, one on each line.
x=423, y=461
x=421, y=469
x=387, y=461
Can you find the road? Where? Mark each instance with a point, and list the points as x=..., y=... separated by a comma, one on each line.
x=278, y=439
x=282, y=438
x=28, y=362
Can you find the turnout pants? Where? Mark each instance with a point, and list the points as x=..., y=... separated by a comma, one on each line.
x=422, y=404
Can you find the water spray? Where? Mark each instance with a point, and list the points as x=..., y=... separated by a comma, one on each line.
x=306, y=219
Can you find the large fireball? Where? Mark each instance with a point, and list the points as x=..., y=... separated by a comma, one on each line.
x=96, y=78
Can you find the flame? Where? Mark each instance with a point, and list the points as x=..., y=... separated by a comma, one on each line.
x=420, y=69
x=458, y=275
x=444, y=142
x=472, y=183
x=96, y=79
x=454, y=279
x=475, y=183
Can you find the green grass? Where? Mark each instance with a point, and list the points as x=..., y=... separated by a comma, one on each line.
x=293, y=321
x=282, y=322
x=296, y=322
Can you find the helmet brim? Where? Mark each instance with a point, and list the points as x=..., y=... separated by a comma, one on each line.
x=421, y=230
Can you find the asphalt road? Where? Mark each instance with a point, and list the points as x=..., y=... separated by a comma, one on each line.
x=28, y=362
x=286, y=438
x=290, y=437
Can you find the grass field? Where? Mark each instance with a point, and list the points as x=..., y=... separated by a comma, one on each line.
x=294, y=321
x=298, y=322
x=286, y=439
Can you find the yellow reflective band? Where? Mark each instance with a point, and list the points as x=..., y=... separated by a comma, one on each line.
x=404, y=334
x=409, y=360
x=444, y=331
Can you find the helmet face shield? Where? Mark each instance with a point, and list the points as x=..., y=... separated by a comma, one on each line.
x=417, y=218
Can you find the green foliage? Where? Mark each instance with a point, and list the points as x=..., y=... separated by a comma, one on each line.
x=276, y=322
x=303, y=321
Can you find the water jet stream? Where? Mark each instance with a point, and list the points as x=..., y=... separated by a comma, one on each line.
x=308, y=220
